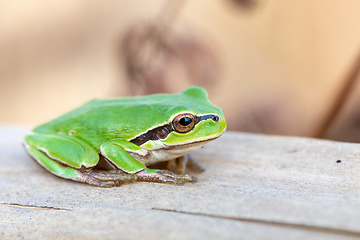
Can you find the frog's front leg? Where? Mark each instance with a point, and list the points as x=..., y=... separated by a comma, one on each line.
x=130, y=158
x=180, y=164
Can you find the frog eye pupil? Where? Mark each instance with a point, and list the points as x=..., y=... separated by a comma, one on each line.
x=215, y=118
x=185, y=121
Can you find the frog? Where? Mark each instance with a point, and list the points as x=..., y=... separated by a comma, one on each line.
x=128, y=135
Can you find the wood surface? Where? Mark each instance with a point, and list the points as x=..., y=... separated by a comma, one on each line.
x=254, y=187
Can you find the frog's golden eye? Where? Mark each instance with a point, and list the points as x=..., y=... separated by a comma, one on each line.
x=184, y=122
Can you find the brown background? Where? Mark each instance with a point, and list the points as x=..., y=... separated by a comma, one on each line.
x=279, y=65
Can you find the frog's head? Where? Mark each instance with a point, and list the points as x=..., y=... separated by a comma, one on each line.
x=191, y=121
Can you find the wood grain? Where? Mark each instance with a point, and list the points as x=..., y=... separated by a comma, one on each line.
x=254, y=187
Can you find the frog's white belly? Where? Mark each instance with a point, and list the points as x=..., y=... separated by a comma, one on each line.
x=169, y=154
x=161, y=155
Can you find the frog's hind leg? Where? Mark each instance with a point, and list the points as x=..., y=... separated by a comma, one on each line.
x=71, y=158
x=110, y=178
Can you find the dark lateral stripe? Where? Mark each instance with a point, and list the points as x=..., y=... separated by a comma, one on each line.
x=153, y=134
x=215, y=118
x=161, y=132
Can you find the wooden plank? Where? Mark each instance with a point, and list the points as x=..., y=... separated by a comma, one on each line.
x=254, y=187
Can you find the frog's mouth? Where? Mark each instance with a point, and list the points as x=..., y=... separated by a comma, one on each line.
x=191, y=144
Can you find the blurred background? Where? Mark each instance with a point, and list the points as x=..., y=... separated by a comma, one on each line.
x=274, y=66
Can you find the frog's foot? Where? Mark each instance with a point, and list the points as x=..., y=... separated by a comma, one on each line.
x=113, y=178
x=194, y=165
x=179, y=165
x=164, y=176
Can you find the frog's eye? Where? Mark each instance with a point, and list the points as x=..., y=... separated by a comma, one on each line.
x=184, y=122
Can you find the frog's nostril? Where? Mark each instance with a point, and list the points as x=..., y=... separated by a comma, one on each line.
x=215, y=118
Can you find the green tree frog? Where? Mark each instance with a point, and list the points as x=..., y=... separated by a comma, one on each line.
x=128, y=134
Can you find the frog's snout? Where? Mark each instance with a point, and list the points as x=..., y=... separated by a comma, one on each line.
x=223, y=123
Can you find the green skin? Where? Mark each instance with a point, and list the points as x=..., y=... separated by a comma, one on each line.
x=128, y=134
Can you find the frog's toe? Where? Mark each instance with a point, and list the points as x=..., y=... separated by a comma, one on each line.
x=165, y=176
x=190, y=178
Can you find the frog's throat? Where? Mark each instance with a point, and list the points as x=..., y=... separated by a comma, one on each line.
x=162, y=131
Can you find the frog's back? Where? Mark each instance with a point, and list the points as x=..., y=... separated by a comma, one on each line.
x=108, y=113
x=127, y=117
x=90, y=111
